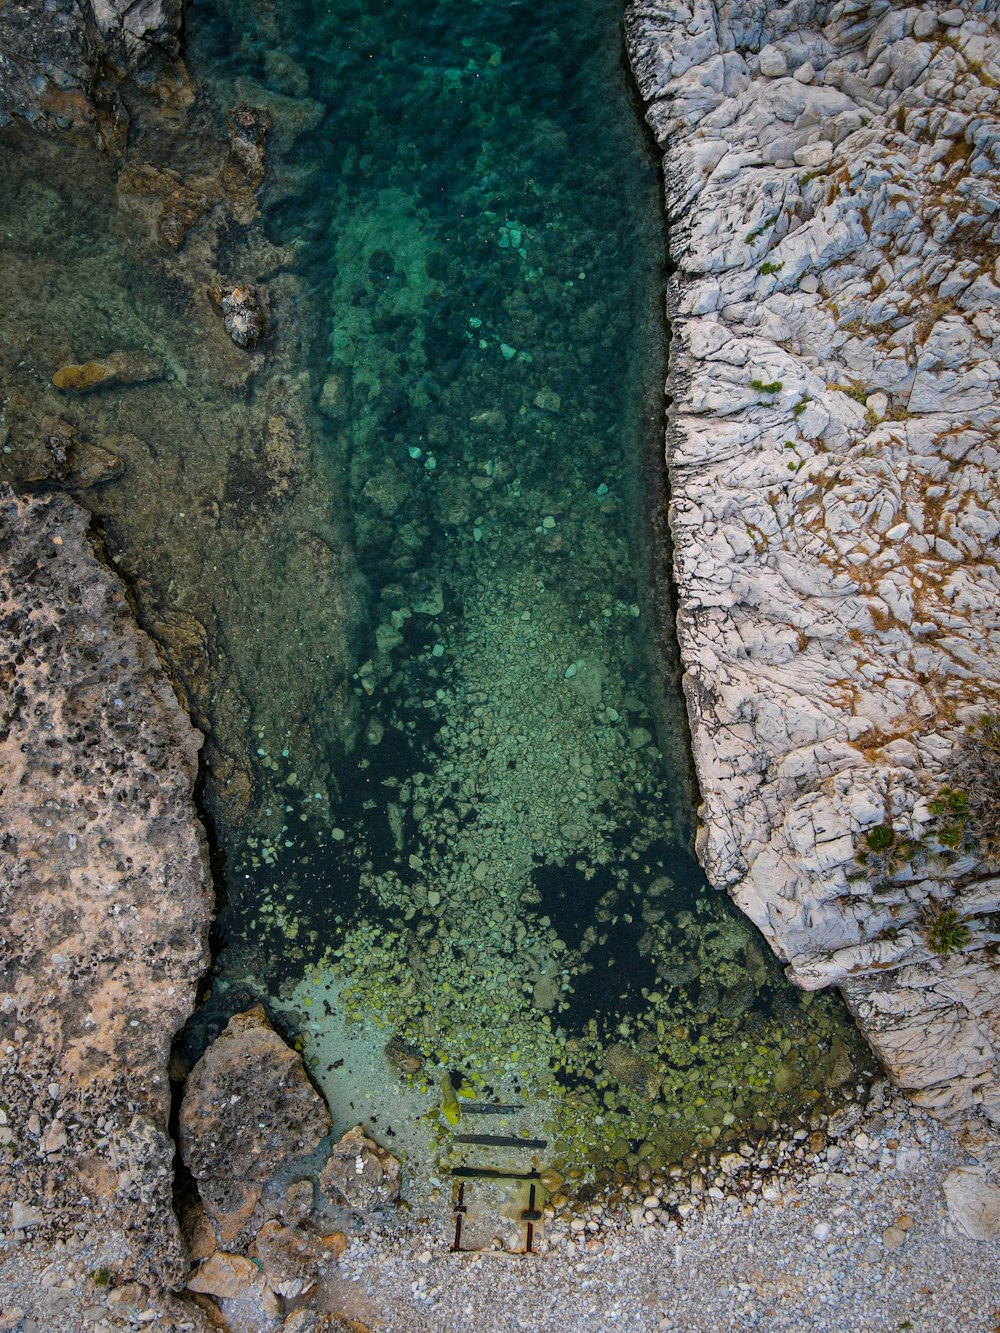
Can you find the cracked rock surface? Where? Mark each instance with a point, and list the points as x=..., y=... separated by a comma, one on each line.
x=831, y=184
x=105, y=900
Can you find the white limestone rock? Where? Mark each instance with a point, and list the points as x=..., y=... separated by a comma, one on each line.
x=835, y=496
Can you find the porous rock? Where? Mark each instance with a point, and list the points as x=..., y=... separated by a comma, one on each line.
x=289, y=1259
x=241, y=314
x=104, y=894
x=359, y=1174
x=248, y=1109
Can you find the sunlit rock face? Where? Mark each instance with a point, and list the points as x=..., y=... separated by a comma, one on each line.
x=831, y=186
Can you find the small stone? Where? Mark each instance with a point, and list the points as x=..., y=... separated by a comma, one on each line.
x=401, y=1058
x=25, y=1215
x=805, y=72
x=298, y=1202
x=772, y=63
x=223, y=1275
x=548, y=400
x=893, y=1237
x=241, y=314
x=360, y=1174
x=732, y=1162
x=289, y=1259
x=507, y=352
x=821, y=1231
x=335, y=1243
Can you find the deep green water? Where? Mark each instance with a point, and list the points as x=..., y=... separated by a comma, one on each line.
x=500, y=870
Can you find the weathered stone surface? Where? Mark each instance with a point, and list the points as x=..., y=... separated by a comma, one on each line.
x=973, y=1201
x=117, y=369
x=835, y=367
x=56, y=61
x=105, y=894
x=360, y=1174
x=248, y=1109
x=241, y=314
x=223, y=1275
x=289, y=1259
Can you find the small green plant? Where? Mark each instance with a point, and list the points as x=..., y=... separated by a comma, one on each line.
x=761, y=387
x=101, y=1277
x=859, y=392
x=943, y=931
x=801, y=405
x=883, y=853
x=768, y=268
x=880, y=838
x=973, y=793
x=951, y=810
x=768, y=222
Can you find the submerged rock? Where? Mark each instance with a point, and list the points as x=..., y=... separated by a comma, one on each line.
x=243, y=169
x=248, y=1109
x=402, y=1059
x=117, y=369
x=60, y=452
x=241, y=313
x=360, y=1174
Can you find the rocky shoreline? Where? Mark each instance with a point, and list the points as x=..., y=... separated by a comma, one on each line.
x=106, y=899
x=830, y=186
x=833, y=509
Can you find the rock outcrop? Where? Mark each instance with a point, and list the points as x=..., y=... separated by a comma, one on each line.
x=248, y=1110
x=105, y=898
x=59, y=63
x=359, y=1174
x=832, y=189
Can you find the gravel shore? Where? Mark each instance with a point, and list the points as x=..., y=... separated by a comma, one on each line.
x=853, y=1238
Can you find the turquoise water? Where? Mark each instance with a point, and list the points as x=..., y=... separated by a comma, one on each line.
x=499, y=872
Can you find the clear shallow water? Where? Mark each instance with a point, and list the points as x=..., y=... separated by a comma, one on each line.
x=499, y=872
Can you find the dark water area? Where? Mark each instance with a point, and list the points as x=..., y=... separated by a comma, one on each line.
x=500, y=870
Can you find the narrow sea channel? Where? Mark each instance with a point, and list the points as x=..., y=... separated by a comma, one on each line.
x=497, y=882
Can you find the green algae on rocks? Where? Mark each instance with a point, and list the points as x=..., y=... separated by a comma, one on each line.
x=498, y=881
